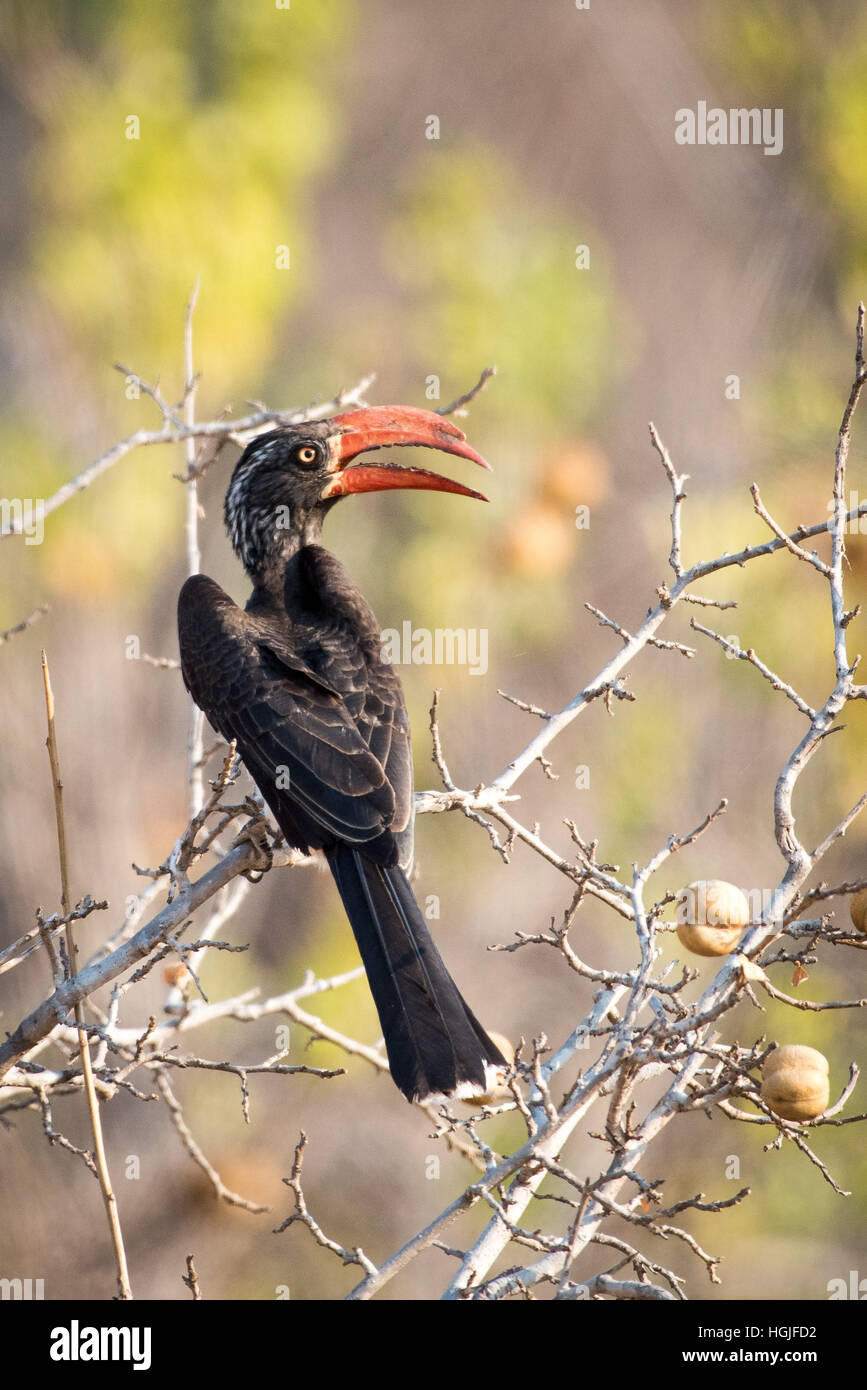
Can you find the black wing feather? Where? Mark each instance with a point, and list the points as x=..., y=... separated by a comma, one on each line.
x=286, y=718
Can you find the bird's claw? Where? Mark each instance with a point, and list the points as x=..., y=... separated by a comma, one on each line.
x=255, y=833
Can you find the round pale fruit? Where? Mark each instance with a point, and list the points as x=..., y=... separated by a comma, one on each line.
x=539, y=544
x=575, y=475
x=795, y=1082
x=858, y=910
x=710, y=916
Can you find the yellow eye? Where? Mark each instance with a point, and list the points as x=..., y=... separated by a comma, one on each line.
x=306, y=454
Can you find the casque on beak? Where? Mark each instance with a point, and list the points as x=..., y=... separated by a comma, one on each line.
x=379, y=426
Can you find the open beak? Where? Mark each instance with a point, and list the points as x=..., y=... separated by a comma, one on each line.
x=374, y=428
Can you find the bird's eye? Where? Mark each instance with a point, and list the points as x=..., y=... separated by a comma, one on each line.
x=306, y=455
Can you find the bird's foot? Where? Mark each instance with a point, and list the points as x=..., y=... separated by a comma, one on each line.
x=255, y=833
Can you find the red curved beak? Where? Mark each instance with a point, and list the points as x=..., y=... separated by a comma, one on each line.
x=379, y=426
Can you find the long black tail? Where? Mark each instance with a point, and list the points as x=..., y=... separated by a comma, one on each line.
x=433, y=1040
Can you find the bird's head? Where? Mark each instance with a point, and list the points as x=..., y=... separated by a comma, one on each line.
x=288, y=479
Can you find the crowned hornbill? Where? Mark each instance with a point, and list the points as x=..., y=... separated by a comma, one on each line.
x=299, y=680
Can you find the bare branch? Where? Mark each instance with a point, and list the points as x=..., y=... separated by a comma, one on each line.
x=455, y=407
x=809, y=557
x=734, y=650
x=101, y=1161
x=25, y=623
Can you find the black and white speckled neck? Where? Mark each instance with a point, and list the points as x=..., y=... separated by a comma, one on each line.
x=267, y=515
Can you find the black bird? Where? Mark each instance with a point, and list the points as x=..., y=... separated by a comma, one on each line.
x=298, y=679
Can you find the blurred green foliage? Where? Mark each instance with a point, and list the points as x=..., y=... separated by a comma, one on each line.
x=810, y=58
x=175, y=150
x=233, y=126
x=493, y=276
x=170, y=143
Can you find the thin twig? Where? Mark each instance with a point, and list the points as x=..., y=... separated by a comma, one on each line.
x=809, y=557
x=93, y=1104
x=24, y=624
x=191, y=1279
x=749, y=655
x=455, y=407
x=196, y=1154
